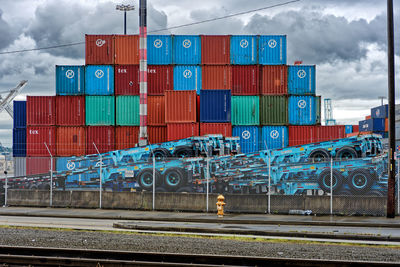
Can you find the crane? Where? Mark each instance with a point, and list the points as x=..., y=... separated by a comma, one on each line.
x=5, y=103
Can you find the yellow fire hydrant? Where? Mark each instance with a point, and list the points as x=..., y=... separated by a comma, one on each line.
x=220, y=206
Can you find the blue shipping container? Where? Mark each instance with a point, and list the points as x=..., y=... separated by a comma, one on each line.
x=19, y=111
x=348, y=129
x=274, y=137
x=187, y=78
x=70, y=80
x=372, y=125
x=249, y=136
x=302, y=110
x=19, y=142
x=244, y=49
x=301, y=80
x=99, y=80
x=159, y=50
x=380, y=112
x=187, y=49
x=272, y=50
x=215, y=106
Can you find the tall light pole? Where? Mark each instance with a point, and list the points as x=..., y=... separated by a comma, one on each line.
x=124, y=8
x=143, y=72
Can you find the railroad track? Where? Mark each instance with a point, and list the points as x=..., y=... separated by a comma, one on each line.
x=40, y=256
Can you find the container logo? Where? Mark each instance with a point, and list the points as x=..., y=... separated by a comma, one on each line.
x=272, y=43
x=33, y=132
x=69, y=74
x=70, y=165
x=301, y=104
x=187, y=74
x=99, y=74
x=244, y=43
x=246, y=134
x=301, y=74
x=186, y=43
x=157, y=43
x=274, y=134
x=100, y=42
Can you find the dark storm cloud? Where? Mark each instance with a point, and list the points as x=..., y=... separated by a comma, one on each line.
x=6, y=33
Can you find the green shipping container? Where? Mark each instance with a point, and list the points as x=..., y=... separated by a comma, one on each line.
x=318, y=109
x=245, y=110
x=128, y=110
x=274, y=110
x=100, y=110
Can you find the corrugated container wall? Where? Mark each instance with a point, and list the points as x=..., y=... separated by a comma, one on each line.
x=126, y=79
x=127, y=110
x=176, y=131
x=39, y=165
x=356, y=128
x=245, y=80
x=70, y=80
x=302, y=110
x=19, y=142
x=272, y=50
x=216, y=77
x=215, y=49
x=301, y=80
x=36, y=136
x=126, y=49
x=318, y=110
x=215, y=106
x=70, y=141
x=243, y=50
x=180, y=106
x=156, y=110
x=299, y=135
x=157, y=134
x=375, y=125
x=99, y=49
x=126, y=137
x=159, y=49
x=380, y=112
x=19, y=111
x=70, y=110
x=19, y=166
x=40, y=110
x=273, y=110
x=216, y=128
x=187, y=78
x=274, y=137
x=245, y=110
x=249, y=136
x=187, y=49
x=159, y=79
x=99, y=80
x=102, y=136
x=274, y=80
x=100, y=110
x=327, y=133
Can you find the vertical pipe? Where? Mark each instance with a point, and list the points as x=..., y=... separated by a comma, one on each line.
x=154, y=181
x=101, y=179
x=208, y=178
x=125, y=22
x=269, y=184
x=143, y=72
x=398, y=186
x=331, y=200
x=6, y=192
x=51, y=180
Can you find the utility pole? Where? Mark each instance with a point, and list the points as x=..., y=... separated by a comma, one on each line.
x=381, y=98
x=143, y=72
x=124, y=8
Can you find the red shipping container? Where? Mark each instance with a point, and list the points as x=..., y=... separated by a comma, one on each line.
x=215, y=49
x=102, y=136
x=40, y=110
x=180, y=106
x=327, y=133
x=70, y=110
x=299, y=135
x=156, y=110
x=216, y=128
x=39, y=165
x=70, y=141
x=157, y=134
x=197, y=108
x=126, y=49
x=36, y=136
x=159, y=79
x=245, y=80
x=99, y=49
x=126, y=79
x=216, y=77
x=126, y=137
x=176, y=131
x=356, y=128
x=274, y=80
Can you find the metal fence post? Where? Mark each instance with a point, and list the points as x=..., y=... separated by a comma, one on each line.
x=269, y=184
x=331, y=202
x=154, y=181
x=6, y=190
x=398, y=186
x=51, y=175
x=208, y=178
x=101, y=180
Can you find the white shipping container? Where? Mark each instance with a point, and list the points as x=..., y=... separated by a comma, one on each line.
x=19, y=166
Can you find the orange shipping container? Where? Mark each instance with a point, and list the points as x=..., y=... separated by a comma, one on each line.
x=215, y=49
x=70, y=110
x=216, y=77
x=126, y=49
x=102, y=136
x=274, y=80
x=368, y=117
x=352, y=134
x=99, y=49
x=70, y=141
x=176, y=131
x=126, y=137
x=180, y=106
x=157, y=134
x=156, y=110
x=216, y=128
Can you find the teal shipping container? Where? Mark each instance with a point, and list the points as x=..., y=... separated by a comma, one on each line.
x=245, y=110
x=127, y=111
x=100, y=110
x=99, y=80
x=244, y=49
x=70, y=80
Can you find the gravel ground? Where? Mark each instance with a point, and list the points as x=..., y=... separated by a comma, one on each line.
x=173, y=244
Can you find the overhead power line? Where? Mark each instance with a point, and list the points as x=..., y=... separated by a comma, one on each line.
x=159, y=30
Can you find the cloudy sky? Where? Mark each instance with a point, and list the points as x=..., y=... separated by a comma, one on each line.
x=346, y=39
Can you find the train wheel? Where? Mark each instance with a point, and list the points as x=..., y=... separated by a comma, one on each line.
x=345, y=153
x=319, y=155
x=324, y=180
x=360, y=180
x=174, y=178
x=145, y=179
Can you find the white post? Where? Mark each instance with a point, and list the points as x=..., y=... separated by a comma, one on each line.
x=208, y=178
x=101, y=165
x=269, y=184
x=331, y=186
x=6, y=189
x=154, y=181
x=51, y=175
x=398, y=186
